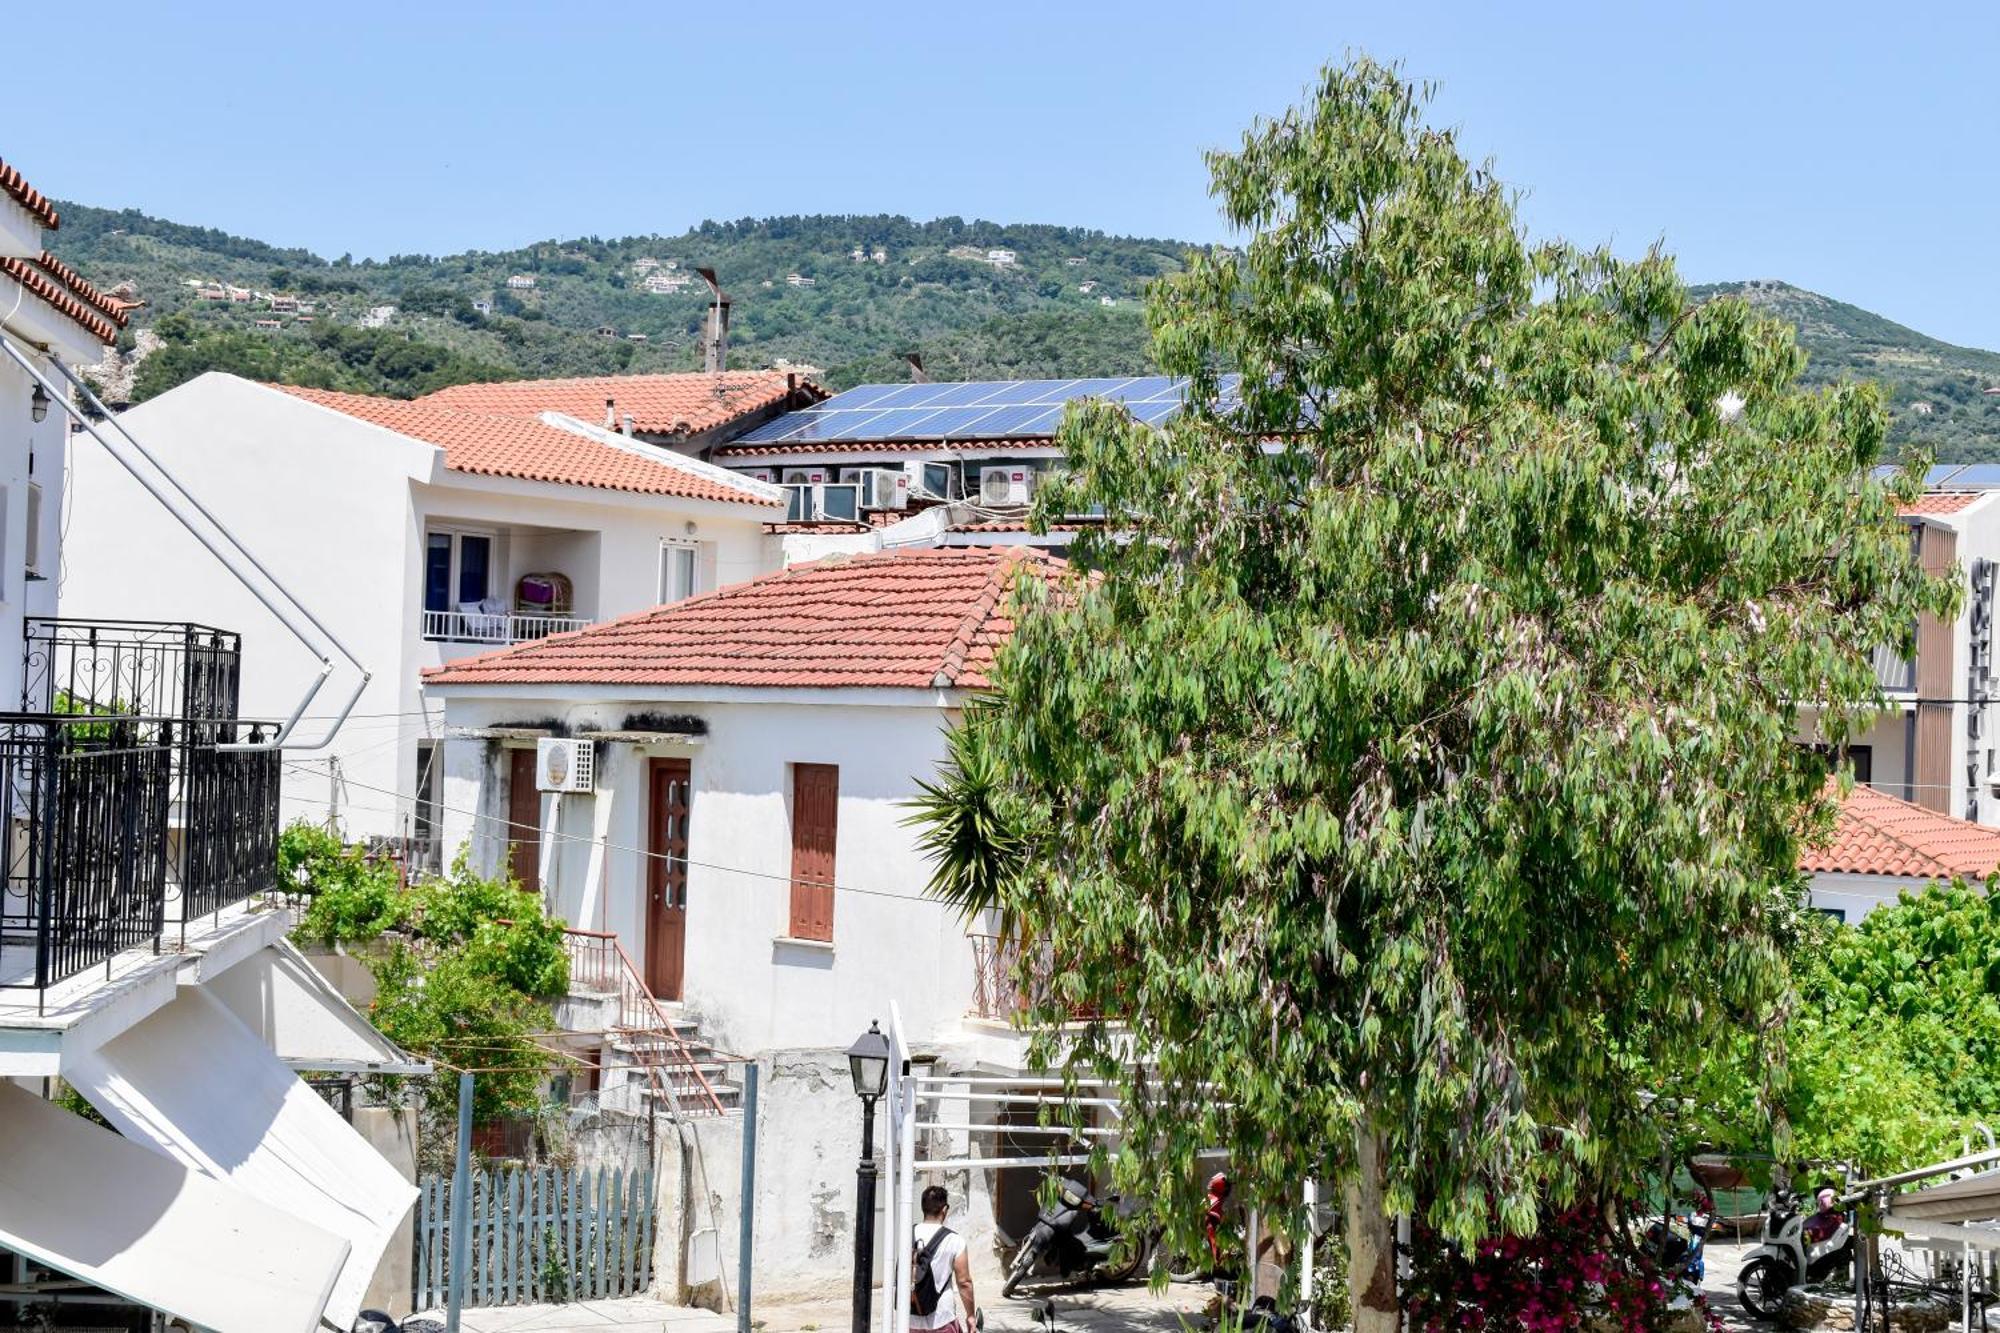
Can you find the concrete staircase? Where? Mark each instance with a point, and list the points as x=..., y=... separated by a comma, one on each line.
x=652, y=1057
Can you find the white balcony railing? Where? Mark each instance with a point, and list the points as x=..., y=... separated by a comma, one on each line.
x=497, y=627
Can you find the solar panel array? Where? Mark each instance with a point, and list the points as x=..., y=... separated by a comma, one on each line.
x=968, y=410
x=1952, y=476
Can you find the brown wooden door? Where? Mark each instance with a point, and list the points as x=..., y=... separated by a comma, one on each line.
x=524, y=820
x=815, y=810
x=667, y=805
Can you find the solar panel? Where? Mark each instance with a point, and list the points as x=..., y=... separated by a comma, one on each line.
x=974, y=410
x=1937, y=475
x=1977, y=477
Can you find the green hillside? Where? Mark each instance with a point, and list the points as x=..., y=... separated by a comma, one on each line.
x=801, y=297
x=1936, y=391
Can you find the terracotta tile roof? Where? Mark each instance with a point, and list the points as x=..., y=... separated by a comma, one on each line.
x=113, y=309
x=880, y=446
x=507, y=446
x=56, y=293
x=1876, y=834
x=1941, y=502
x=14, y=185
x=658, y=404
x=923, y=619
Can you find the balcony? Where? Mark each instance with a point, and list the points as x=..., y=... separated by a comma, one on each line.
x=498, y=628
x=125, y=816
x=1005, y=988
x=1895, y=673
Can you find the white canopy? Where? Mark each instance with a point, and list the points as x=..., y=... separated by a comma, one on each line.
x=197, y=1085
x=124, y=1218
x=282, y=998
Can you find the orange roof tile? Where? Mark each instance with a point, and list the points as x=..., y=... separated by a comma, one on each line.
x=16, y=186
x=57, y=294
x=1876, y=834
x=507, y=446
x=883, y=446
x=115, y=310
x=922, y=619
x=658, y=404
x=1941, y=502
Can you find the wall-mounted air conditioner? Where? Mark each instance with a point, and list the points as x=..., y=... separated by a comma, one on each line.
x=1010, y=485
x=565, y=765
x=808, y=504
x=804, y=476
x=758, y=473
x=881, y=487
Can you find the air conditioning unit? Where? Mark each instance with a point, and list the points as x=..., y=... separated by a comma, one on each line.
x=932, y=481
x=758, y=473
x=804, y=476
x=1010, y=485
x=881, y=487
x=807, y=504
x=565, y=765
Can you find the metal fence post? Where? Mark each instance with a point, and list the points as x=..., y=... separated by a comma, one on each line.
x=461, y=1208
x=747, y=1208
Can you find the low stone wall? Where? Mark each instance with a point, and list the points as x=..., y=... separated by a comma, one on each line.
x=1832, y=1308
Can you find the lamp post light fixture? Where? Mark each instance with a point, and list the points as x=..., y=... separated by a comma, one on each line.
x=868, y=1063
x=38, y=404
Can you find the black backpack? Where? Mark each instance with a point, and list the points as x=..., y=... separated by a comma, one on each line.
x=924, y=1293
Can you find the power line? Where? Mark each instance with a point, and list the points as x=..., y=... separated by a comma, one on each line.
x=608, y=845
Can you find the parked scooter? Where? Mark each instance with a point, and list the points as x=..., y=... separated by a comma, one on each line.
x=1679, y=1245
x=1794, y=1247
x=1078, y=1238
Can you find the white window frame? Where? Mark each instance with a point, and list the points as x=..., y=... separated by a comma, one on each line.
x=693, y=557
x=458, y=532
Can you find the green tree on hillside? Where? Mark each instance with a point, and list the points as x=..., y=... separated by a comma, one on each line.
x=1418, y=773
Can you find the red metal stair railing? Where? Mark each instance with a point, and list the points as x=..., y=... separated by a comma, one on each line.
x=598, y=961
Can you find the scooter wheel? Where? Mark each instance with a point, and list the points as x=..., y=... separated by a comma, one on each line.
x=1024, y=1264
x=1125, y=1269
x=1762, y=1285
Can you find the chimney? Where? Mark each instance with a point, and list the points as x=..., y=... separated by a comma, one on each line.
x=715, y=347
x=918, y=375
x=628, y=426
x=611, y=414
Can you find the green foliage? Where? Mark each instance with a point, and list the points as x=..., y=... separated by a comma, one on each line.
x=331, y=356
x=451, y=1007
x=352, y=899
x=1430, y=783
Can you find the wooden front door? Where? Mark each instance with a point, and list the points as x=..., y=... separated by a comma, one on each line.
x=667, y=804
x=524, y=820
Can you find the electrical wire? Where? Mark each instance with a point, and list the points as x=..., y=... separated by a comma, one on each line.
x=609, y=846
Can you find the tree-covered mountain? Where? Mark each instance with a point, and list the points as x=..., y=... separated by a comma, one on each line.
x=802, y=297
x=1942, y=398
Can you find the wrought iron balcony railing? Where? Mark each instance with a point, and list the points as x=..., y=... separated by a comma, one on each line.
x=126, y=813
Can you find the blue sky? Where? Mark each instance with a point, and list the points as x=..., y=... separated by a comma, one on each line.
x=1854, y=150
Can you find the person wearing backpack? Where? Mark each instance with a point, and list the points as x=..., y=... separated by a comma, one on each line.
x=940, y=1272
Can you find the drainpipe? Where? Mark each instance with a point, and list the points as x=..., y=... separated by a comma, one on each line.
x=159, y=493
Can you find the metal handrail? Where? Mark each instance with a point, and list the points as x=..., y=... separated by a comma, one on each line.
x=634, y=993
x=501, y=627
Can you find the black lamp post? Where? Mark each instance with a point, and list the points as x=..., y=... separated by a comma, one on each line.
x=868, y=1062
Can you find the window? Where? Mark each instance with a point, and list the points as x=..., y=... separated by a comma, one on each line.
x=458, y=569
x=815, y=807
x=34, y=563
x=424, y=820
x=679, y=571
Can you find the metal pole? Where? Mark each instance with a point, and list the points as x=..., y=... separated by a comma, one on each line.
x=1306, y=1254
x=461, y=1209
x=864, y=1218
x=746, y=1228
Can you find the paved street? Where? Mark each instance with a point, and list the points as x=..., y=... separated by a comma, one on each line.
x=634, y=1316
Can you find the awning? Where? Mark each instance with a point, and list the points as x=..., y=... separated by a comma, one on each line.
x=121, y=1217
x=1974, y=1198
x=298, y=1013
x=195, y=1083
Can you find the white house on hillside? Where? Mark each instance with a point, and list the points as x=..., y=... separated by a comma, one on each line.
x=420, y=534
x=754, y=753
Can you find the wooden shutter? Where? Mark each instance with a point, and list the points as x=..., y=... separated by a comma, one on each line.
x=815, y=806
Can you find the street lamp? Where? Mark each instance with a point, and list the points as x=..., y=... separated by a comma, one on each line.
x=868, y=1063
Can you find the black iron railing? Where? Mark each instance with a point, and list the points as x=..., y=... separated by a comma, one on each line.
x=132, y=809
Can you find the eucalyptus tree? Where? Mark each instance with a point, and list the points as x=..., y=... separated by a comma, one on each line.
x=1415, y=775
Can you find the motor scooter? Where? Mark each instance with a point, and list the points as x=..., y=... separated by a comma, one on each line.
x=1078, y=1237
x=1679, y=1245
x=1785, y=1256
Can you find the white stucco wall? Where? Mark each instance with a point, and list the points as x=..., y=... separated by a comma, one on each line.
x=752, y=988
x=22, y=438
x=337, y=508
x=1855, y=896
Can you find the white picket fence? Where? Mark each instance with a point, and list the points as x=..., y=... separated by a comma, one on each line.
x=539, y=1235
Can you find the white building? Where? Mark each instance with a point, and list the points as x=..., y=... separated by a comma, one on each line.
x=755, y=751
x=521, y=282
x=420, y=534
x=1001, y=258
x=133, y=964
x=1882, y=847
